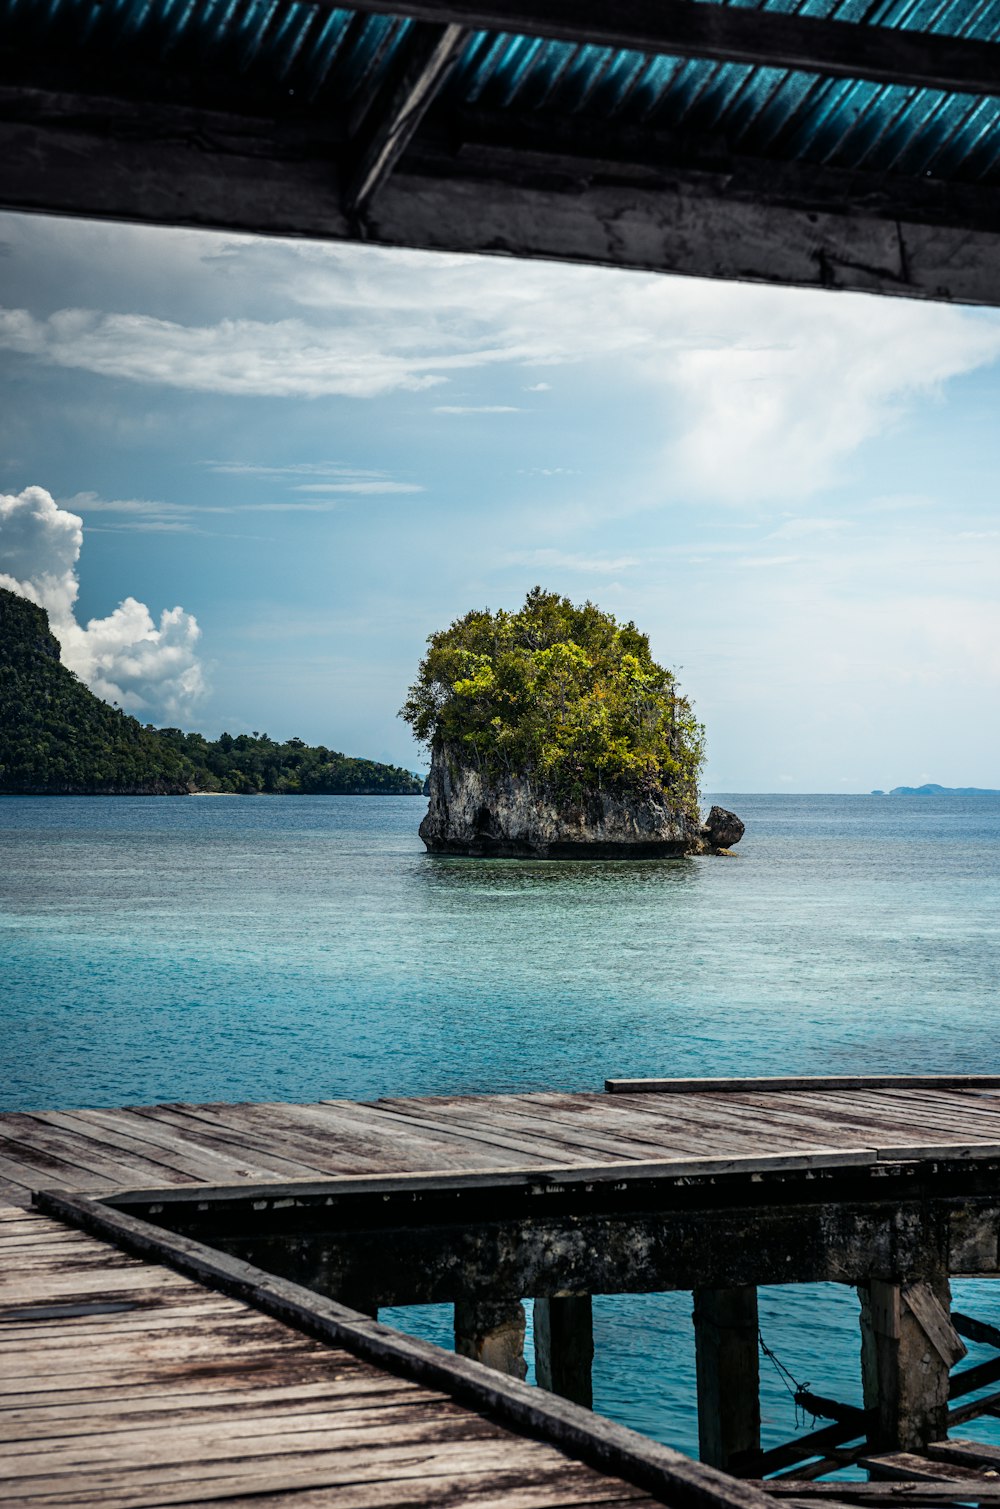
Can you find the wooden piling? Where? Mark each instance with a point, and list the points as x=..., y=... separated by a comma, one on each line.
x=908, y=1346
x=728, y=1375
x=564, y=1346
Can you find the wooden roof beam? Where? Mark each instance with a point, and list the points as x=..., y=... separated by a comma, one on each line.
x=734, y=34
x=393, y=117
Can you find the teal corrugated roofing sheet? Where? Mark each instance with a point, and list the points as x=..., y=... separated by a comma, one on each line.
x=267, y=53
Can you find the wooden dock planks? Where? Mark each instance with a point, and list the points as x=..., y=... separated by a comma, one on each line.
x=155, y=1146
x=124, y=1384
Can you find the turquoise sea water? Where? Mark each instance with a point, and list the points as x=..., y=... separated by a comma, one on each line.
x=300, y=948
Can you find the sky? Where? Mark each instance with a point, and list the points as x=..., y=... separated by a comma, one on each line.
x=248, y=477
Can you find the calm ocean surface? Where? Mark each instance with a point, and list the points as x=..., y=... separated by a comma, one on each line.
x=298, y=948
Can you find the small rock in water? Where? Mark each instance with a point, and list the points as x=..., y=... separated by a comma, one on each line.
x=722, y=829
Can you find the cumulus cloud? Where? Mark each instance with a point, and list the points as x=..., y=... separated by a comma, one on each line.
x=150, y=669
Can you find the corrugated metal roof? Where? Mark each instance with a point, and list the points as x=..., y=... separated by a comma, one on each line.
x=279, y=54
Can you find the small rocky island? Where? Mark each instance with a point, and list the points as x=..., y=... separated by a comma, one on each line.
x=555, y=735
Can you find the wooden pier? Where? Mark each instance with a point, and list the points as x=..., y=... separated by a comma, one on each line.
x=188, y=1313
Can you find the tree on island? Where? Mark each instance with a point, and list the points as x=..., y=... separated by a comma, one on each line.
x=58, y=738
x=553, y=731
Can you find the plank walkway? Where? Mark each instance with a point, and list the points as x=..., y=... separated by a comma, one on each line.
x=183, y=1144
x=124, y=1384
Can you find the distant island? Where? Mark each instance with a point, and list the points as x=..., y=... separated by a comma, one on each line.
x=58, y=739
x=554, y=735
x=931, y=790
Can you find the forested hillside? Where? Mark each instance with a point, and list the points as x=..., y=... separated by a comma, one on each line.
x=58, y=738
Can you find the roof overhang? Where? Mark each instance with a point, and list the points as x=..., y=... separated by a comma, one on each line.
x=680, y=136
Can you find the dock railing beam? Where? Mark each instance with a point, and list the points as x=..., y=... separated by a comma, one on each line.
x=564, y=1346
x=728, y=1373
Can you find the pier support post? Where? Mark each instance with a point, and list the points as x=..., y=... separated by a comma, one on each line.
x=728, y=1373
x=908, y=1346
x=564, y=1346
x=492, y=1332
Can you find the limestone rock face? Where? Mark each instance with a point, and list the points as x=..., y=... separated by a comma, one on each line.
x=509, y=819
x=722, y=829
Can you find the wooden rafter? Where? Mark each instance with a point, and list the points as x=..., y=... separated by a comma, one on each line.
x=726, y=33
x=393, y=117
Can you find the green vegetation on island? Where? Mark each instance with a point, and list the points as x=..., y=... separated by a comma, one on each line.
x=58, y=738
x=563, y=696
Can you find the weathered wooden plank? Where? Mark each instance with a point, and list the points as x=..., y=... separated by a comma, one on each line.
x=978, y=1455
x=534, y=1127
x=129, y=1133
x=89, y=1148
x=522, y=1487
x=177, y=1482
x=572, y=1429
x=219, y=1413
x=110, y=1279
x=193, y=1348
x=373, y=1137
x=538, y=1146
x=814, y=1119
x=703, y=1132
x=411, y=1422
x=803, y=1082
x=791, y=1490
x=942, y=1110
x=909, y=1465
x=545, y=1176
x=241, y=1149
x=934, y=1321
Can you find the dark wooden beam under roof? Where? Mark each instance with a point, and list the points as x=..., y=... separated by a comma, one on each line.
x=512, y=188
x=735, y=34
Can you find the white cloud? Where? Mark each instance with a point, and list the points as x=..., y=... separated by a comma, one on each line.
x=476, y=408
x=281, y=358
x=372, y=488
x=758, y=393
x=150, y=669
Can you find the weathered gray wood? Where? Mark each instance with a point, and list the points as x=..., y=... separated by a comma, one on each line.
x=564, y=1346
x=728, y=1375
x=906, y=1491
x=913, y=239
x=975, y=1454
x=913, y=1466
x=566, y=1176
x=904, y=1374
x=935, y=1321
x=609, y=1447
x=803, y=1082
x=392, y=120
x=504, y=1488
